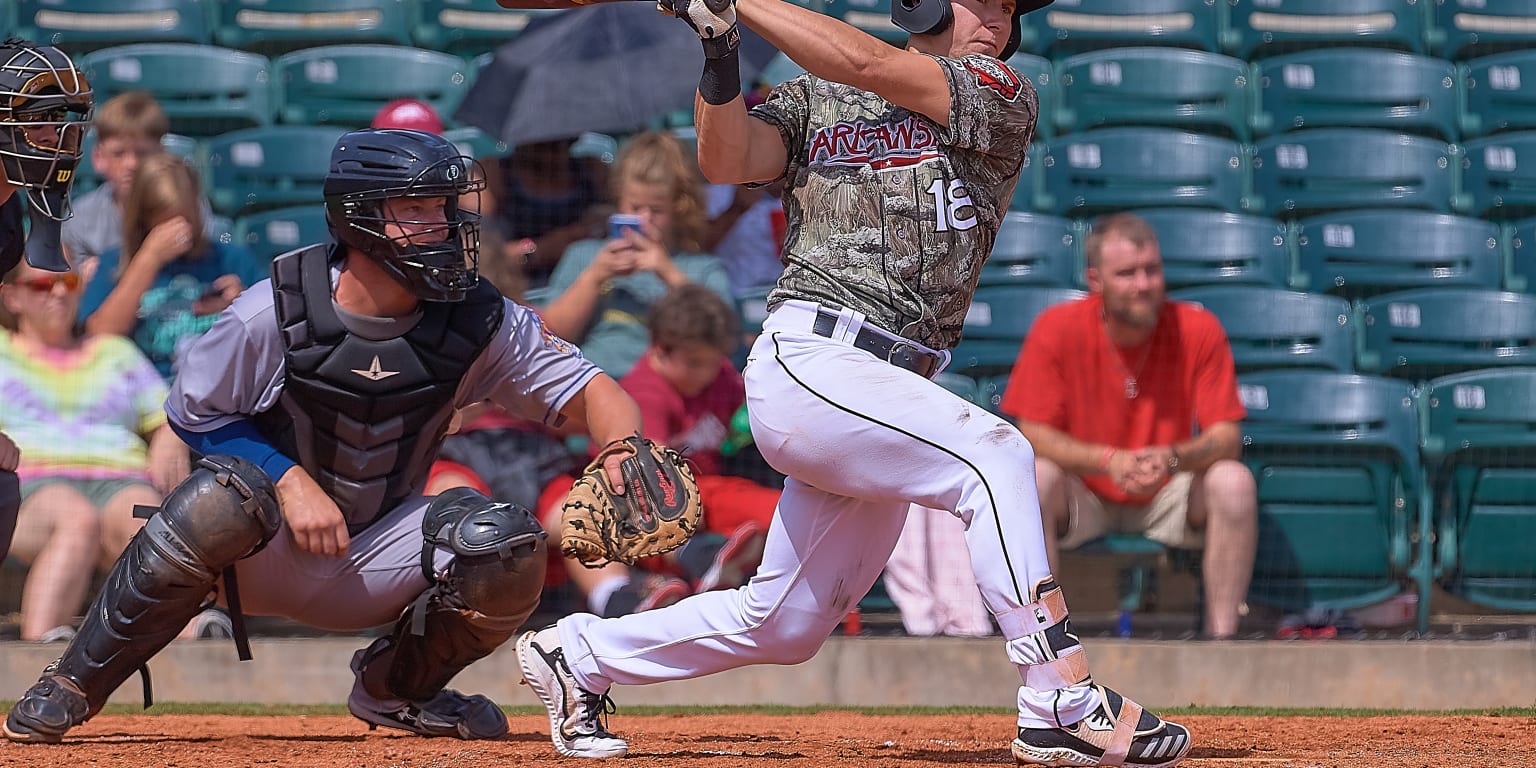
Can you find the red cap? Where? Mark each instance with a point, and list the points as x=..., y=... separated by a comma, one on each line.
x=408, y=114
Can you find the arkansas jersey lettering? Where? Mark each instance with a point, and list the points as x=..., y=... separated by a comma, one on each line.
x=995, y=75
x=879, y=146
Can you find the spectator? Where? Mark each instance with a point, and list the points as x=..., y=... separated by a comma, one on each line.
x=603, y=290
x=746, y=232
x=929, y=578
x=128, y=128
x=687, y=392
x=168, y=282
x=1108, y=389
x=545, y=199
x=87, y=413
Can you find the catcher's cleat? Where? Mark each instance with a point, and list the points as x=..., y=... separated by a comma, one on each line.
x=46, y=711
x=576, y=716
x=645, y=593
x=449, y=713
x=1117, y=732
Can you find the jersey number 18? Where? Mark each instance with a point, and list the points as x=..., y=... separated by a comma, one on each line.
x=952, y=204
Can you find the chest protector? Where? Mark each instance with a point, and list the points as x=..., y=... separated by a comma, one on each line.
x=365, y=418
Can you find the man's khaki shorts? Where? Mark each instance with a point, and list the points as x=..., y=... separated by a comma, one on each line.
x=1164, y=519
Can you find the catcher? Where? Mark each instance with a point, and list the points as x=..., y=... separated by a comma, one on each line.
x=320, y=399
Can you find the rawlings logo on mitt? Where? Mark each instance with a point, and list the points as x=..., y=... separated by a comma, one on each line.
x=658, y=511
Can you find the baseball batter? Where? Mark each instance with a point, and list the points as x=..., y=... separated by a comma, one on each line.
x=899, y=167
x=320, y=398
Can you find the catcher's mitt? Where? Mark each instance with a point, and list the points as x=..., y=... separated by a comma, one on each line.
x=658, y=511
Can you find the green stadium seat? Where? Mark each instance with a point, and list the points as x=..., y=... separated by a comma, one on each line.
x=1358, y=88
x=273, y=27
x=1042, y=75
x=871, y=16
x=1480, y=454
x=1259, y=30
x=205, y=90
x=989, y=391
x=1428, y=332
x=754, y=309
x=469, y=28
x=1034, y=249
x=1194, y=90
x=347, y=84
x=78, y=26
x=270, y=233
x=1499, y=175
x=1522, y=262
x=961, y=385
x=1115, y=168
x=1275, y=328
x=1500, y=93
x=1202, y=247
x=1028, y=194
x=1358, y=253
x=1326, y=169
x=1337, y=463
x=263, y=168
x=998, y=320
x=478, y=144
x=1466, y=29
x=1067, y=28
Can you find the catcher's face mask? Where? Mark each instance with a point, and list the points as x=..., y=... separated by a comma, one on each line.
x=45, y=109
x=426, y=234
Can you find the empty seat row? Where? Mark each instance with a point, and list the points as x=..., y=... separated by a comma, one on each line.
x=462, y=27
x=1336, y=87
x=1455, y=29
x=206, y=90
x=1288, y=175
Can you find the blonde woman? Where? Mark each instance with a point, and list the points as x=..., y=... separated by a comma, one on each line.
x=168, y=281
x=604, y=288
x=87, y=413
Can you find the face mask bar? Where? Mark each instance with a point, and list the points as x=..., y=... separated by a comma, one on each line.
x=441, y=258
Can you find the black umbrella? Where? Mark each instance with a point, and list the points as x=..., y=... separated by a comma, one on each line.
x=609, y=68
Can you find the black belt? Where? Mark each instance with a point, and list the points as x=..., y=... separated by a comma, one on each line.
x=896, y=351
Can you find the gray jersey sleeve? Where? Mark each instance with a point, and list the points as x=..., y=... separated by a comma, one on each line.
x=233, y=371
x=527, y=369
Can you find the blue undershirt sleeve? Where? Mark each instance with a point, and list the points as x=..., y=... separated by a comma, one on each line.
x=238, y=438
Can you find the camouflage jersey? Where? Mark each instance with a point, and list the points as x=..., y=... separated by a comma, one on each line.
x=889, y=213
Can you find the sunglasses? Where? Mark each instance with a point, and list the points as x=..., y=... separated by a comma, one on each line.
x=70, y=281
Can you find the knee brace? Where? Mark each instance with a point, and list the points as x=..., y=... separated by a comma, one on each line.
x=1063, y=662
x=225, y=510
x=474, y=605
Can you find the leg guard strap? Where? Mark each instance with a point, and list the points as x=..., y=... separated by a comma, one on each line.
x=1124, y=733
x=1046, y=619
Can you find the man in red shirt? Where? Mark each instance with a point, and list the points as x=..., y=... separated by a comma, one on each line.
x=1110, y=390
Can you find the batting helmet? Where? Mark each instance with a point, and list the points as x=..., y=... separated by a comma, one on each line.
x=437, y=258
x=926, y=17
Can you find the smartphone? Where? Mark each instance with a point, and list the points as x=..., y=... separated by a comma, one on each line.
x=619, y=222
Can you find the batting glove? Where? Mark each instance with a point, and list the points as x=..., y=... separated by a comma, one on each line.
x=714, y=20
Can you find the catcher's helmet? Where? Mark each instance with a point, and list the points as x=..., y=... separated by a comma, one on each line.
x=437, y=259
x=45, y=108
x=925, y=17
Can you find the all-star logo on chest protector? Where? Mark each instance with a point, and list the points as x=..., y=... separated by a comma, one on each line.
x=364, y=417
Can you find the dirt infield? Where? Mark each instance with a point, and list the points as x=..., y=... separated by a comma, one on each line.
x=759, y=741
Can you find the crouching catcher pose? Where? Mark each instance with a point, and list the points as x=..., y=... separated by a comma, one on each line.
x=319, y=400
x=899, y=166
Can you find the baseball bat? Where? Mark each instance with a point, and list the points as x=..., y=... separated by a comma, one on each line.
x=554, y=5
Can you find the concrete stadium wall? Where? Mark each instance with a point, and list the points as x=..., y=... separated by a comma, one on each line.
x=1429, y=675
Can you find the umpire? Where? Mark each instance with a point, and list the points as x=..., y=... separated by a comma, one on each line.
x=320, y=399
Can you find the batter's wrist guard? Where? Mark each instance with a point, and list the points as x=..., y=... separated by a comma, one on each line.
x=721, y=82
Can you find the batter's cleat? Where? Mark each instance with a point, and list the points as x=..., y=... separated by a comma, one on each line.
x=737, y=559
x=576, y=715
x=1117, y=732
x=46, y=711
x=449, y=713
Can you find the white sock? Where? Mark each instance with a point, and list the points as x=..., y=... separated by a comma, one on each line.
x=597, y=601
